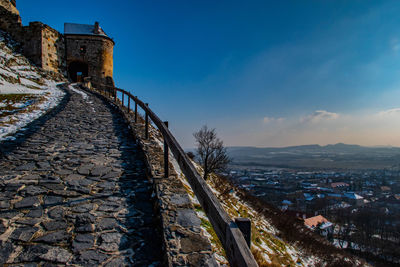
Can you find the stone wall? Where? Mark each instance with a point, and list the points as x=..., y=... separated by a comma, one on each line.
x=10, y=6
x=53, y=50
x=10, y=21
x=45, y=47
x=95, y=51
x=32, y=45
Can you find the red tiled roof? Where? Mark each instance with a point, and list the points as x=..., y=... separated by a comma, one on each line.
x=314, y=221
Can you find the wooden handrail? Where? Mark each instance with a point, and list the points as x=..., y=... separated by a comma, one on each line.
x=232, y=239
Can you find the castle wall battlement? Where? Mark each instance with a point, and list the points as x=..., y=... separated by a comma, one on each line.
x=10, y=5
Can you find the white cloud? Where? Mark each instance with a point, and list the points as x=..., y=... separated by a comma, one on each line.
x=364, y=127
x=319, y=116
x=390, y=112
x=267, y=119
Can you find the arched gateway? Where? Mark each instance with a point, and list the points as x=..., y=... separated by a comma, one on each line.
x=77, y=70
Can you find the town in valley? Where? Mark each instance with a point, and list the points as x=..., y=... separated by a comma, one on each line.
x=356, y=210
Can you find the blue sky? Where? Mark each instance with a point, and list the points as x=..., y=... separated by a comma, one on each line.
x=263, y=73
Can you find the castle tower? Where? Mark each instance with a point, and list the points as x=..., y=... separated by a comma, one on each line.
x=89, y=53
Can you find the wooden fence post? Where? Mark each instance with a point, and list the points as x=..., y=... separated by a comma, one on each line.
x=123, y=96
x=136, y=111
x=244, y=225
x=146, y=124
x=115, y=95
x=129, y=104
x=166, y=153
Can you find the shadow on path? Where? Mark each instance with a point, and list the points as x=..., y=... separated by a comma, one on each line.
x=7, y=146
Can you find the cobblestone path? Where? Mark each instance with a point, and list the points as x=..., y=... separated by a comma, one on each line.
x=73, y=191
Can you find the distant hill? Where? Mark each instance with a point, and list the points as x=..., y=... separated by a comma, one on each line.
x=315, y=156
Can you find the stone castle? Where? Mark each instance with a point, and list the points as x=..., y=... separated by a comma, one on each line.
x=82, y=51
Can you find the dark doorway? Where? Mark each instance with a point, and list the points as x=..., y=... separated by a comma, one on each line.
x=77, y=70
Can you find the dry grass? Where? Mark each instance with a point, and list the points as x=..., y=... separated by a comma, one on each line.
x=214, y=238
x=237, y=208
x=9, y=106
x=258, y=256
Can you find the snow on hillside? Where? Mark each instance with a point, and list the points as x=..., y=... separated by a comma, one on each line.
x=25, y=91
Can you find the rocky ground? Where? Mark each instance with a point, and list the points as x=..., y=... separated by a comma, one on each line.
x=73, y=191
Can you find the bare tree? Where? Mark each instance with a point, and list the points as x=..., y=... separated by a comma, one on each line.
x=210, y=151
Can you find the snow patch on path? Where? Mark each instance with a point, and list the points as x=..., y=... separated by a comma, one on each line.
x=83, y=94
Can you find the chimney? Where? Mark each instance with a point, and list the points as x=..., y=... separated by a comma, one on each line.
x=96, y=28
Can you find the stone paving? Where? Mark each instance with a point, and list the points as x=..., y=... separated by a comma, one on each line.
x=73, y=191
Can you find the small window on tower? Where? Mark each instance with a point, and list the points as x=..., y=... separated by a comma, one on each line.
x=83, y=49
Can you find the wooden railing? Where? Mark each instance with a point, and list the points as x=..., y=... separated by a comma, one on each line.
x=234, y=235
